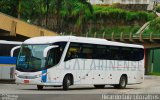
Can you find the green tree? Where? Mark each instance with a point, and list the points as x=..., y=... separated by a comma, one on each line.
x=34, y=10
x=9, y=7
x=39, y=10
x=84, y=11
x=81, y=10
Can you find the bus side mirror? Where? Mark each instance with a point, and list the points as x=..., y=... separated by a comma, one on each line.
x=45, y=52
x=13, y=49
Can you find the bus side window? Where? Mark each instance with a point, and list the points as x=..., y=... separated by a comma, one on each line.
x=114, y=53
x=53, y=57
x=6, y=49
x=138, y=54
x=100, y=52
x=87, y=51
x=61, y=46
x=126, y=53
x=73, y=51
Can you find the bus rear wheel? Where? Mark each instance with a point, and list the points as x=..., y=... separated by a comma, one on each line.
x=66, y=82
x=40, y=87
x=122, y=83
x=99, y=86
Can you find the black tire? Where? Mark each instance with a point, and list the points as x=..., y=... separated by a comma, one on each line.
x=99, y=86
x=66, y=82
x=40, y=87
x=122, y=83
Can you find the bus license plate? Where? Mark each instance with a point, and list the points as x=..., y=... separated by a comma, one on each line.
x=26, y=81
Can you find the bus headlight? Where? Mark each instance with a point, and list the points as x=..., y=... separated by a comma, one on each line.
x=39, y=75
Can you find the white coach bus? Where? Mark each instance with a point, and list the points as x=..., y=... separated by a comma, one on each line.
x=70, y=60
x=8, y=63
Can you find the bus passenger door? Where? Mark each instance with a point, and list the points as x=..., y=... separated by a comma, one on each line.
x=52, y=61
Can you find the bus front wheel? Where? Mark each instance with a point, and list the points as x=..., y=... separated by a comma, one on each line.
x=66, y=82
x=40, y=87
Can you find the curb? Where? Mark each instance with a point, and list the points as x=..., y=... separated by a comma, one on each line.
x=151, y=77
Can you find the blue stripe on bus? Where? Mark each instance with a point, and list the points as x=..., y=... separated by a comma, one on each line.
x=7, y=60
x=44, y=77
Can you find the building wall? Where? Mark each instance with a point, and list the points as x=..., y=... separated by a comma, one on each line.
x=135, y=1
x=121, y=1
x=154, y=61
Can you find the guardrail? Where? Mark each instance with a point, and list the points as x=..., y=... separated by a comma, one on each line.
x=122, y=36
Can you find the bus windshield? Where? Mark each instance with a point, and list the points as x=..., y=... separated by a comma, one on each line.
x=31, y=58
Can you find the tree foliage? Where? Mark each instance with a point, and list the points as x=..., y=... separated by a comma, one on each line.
x=158, y=9
x=60, y=10
x=77, y=16
x=9, y=7
x=154, y=27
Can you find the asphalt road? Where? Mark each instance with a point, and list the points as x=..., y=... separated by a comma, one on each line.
x=151, y=85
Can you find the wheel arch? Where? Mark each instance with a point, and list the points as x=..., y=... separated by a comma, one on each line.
x=125, y=76
x=71, y=77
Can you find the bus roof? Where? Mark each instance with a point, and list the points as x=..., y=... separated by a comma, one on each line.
x=10, y=42
x=52, y=39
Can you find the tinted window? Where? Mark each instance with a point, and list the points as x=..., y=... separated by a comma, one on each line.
x=5, y=49
x=115, y=53
x=100, y=52
x=137, y=54
x=87, y=51
x=79, y=50
x=55, y=54
x=73, y=51
x=61, y=46
x=53, y=57
x=93, y=51
x=125, y=53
